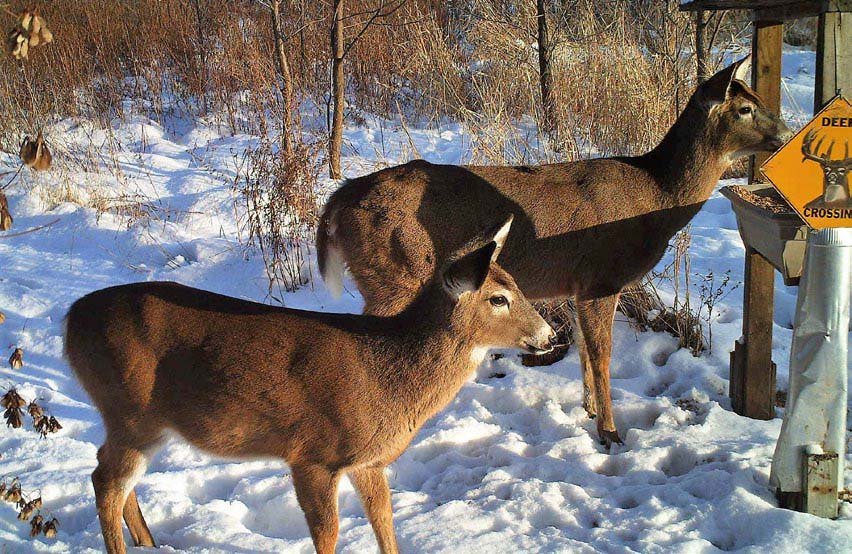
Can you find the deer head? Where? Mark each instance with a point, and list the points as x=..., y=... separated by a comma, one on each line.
x=488, y=301
x=737, y=115
x=835, y=181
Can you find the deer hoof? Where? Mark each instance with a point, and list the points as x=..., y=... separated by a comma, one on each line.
x=608, y=438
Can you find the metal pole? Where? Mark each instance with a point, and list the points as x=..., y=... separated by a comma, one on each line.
x=816, y=401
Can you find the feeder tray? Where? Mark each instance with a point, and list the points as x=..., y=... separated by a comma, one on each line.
x=767, y=224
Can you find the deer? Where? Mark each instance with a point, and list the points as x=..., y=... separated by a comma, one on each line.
x=835, y=183
x=35, y=153
x=583, y=229
x=330, y=394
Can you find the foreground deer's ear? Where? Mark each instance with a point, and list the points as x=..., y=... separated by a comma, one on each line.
x=717, y=88
x=467, y=273
x=499, y=236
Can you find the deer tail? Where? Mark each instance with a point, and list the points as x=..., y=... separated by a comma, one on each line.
x=330, y=257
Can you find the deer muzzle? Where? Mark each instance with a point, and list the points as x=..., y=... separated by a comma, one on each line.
x=542, y=341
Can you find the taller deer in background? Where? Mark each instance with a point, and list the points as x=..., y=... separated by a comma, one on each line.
x=583, y=229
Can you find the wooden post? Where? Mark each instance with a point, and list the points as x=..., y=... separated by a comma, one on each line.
x=752, y=370
x=766, y=46
x=834, y=57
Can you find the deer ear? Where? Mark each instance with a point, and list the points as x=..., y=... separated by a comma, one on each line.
x=500, y=234
x=717, y=88
x=467, y=273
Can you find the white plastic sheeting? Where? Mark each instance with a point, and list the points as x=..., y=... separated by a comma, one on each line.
x=816, y=402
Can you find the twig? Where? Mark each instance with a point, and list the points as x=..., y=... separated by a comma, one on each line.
x=33, y=230
x=407, y=133
x=9, y=182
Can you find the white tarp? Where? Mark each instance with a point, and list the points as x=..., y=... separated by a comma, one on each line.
x=816, y=401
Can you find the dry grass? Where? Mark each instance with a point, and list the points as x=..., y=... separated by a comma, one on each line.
x=622, y=72
x=621, y=68
x=280, y=207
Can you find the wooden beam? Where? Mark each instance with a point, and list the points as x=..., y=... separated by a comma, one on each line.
x=786, y=13
x=716, y=5
x=772, y=10
x=752, y=370
x=834, y=57
x=799, y=10
x=766, y=45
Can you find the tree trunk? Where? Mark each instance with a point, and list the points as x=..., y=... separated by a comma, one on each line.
x=303, y=52
x=337, y=91
x=545, y=51
x=200, y=25
x=701, y=69
x=286, y=81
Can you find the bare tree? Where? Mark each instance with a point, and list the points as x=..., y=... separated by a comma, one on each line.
x=286, y=79
x=337, y=91
x=707, y=29
x=545, y=53
x=202, y=24
x=338, y=86
x=700, y=49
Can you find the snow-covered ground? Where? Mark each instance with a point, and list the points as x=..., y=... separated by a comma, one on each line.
x=512, y=465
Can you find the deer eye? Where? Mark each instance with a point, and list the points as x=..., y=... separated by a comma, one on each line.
x=745, y=110
x=498, y=301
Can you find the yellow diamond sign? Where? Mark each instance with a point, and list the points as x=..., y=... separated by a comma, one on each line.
x=812, y=170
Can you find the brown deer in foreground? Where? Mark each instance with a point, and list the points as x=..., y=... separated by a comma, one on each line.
x=584, y=229
x=328, y=393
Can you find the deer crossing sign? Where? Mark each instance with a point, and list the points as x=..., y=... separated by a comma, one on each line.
x=812, y=170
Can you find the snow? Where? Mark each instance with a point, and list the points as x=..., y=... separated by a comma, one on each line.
x=512, y=464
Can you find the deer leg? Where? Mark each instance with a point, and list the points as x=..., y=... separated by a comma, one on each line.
x=136, y=523
x=316, y=490
x=595, y=318
x=119, y=468
x=372, y=486
x=589, y=403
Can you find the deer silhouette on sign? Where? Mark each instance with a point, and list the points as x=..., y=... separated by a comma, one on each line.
x=835, y=181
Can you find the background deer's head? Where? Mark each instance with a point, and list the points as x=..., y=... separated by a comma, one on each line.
x=737, y=114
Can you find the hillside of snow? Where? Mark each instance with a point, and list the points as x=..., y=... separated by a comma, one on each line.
x=511, y=465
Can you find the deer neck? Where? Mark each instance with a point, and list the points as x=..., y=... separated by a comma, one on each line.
x=429, y=356
x=690, y=159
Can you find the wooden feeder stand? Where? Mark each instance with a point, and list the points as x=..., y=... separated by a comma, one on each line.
x=752, y=369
